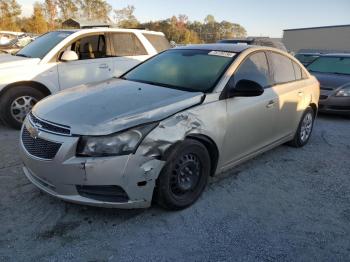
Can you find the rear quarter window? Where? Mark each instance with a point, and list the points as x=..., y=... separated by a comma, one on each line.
x=159, y=42
x=282, y=68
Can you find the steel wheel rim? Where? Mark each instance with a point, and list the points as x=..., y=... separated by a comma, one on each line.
x=185, y=176
x=21, y=106
x=306, y=127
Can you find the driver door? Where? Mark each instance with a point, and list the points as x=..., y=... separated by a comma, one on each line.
x=250, y=120
x=94, y=64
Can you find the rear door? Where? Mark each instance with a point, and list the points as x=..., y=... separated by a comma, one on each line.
x=128, y=51
x=250, y=120
x=288, y=85
x=94, y=64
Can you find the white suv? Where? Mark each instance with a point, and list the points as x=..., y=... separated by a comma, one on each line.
x=66, y=58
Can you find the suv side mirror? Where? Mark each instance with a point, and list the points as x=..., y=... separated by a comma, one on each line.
x=69, y=55
x=246, y=88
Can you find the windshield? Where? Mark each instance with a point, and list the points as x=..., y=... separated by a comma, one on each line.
x=331, y=64
x=43, y=44
x=189, y=70
x=306, y=59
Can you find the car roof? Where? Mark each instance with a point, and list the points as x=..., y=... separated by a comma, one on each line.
x=107, y=29
x=306, y=53
x=235, y=48
x=337, y=55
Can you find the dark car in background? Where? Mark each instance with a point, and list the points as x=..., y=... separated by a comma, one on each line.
x=259, y=41
x=333, y=73
x=307, y=58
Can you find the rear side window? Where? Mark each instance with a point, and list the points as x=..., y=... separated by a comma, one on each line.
x=254, y=68
x=159, y=42
x=127, y=44
x=282, y=67
x=297, y=71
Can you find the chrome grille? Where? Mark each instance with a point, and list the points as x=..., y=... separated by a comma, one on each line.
x=50, y=127
x=39, y=147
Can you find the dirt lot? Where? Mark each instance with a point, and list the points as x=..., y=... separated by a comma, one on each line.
x=286, y=205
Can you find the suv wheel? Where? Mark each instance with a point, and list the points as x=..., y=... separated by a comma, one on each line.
x=184, y=176
x=16, y=103
x=304, y=130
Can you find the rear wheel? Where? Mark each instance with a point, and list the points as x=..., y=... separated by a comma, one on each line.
x=16, y=103
x=184, y=176
x=304, y=130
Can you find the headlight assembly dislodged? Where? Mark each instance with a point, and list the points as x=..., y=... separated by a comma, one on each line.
x=122, y=143
x=344, y=92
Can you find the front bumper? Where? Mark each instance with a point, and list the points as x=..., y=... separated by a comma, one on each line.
x=62, y=175
x=329, y=103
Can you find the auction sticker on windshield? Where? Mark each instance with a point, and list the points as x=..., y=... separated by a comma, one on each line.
x=221, y=53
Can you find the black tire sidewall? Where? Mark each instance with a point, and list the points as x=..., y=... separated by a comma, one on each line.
x=165, y=197
x=298, y=140
x=9, y=96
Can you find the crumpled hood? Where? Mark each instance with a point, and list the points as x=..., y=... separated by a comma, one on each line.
x=112, y=106
x=8, y=61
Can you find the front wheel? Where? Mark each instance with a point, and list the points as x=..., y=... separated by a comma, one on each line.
x=184, y=176
x=16, y=103
x=304, y=130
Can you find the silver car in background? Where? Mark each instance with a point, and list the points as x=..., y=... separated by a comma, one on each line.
x=164, y=127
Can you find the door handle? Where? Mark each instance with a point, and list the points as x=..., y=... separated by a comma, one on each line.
x=103, y=66
x=300, y=93
x=271, y=103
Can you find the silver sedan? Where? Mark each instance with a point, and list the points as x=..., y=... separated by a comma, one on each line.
x=159, y=131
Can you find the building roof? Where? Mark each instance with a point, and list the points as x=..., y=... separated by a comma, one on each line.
x=236, y=48
x=319, y=27
x=85, y=23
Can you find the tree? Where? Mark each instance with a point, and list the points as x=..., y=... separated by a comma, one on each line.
x=95, y=10
x=9, y=14
x=125, y=17
x=37, y=23
x=50, y=7
x=68, y=9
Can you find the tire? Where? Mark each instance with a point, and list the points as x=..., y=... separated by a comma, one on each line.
x=178, y=186
x=16, y=102
x=303, y=133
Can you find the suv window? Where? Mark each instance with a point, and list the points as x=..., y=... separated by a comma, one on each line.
x=90, y=47
x=43, y=44
x=127, y=44
x=282, y=67
x=159, y=42
x=254, y=68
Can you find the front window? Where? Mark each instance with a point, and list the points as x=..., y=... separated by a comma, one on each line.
x=43, y=44
x=189, y=70
x=331, y=64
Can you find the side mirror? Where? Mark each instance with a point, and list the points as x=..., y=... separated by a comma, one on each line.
x=69, y=55
x=246, y=88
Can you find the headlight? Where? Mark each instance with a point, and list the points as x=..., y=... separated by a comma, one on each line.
x=122, y=143
x=345, y=91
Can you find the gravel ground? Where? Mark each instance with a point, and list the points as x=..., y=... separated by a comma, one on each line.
x=285, y=205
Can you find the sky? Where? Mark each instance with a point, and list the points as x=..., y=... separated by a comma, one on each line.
x=259, y=18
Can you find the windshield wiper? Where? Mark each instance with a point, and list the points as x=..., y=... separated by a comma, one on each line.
x=22, y=55
x=187, y=89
